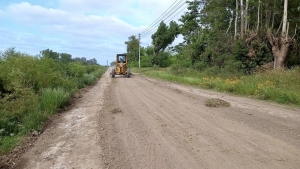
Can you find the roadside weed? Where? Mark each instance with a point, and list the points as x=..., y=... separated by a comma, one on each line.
x=215, y=102
x=52, y=99
x=276, y=85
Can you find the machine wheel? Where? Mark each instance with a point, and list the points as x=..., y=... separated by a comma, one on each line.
x=113, y=72
x=128, y=73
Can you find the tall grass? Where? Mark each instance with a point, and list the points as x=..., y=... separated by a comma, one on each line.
x=32, y=89
x=52, y=99
x=281, y=86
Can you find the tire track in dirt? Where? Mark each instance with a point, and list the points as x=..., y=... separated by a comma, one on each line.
x=71, y=139
x=166, y=125
x=140, y=122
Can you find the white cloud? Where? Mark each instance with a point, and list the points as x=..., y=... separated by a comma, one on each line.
x=73, y=30
x=54, y=20
x=28, y=13
x=142, y=12
x=83, y=28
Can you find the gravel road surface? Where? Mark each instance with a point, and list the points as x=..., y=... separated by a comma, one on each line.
x=140, y=122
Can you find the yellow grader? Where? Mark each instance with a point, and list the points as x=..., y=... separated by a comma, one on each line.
x=121, y=66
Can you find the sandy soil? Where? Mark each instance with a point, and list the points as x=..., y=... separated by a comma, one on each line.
x=140, y=122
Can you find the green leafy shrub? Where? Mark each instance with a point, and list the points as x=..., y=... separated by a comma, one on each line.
x=76, y=69
x=89, y=79
x=162, y=59
x=52, y=99
x=33, y=88
x=146, y=61
x=200, y=65
x=133, y=64
x=239, y=53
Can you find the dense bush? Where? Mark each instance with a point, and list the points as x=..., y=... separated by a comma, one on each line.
x=52, y=99
x=32, y=88
x=162, y=59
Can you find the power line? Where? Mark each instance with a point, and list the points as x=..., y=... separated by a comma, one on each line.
x=148, y=33
x=158, y=18
x=153, y=29
x=167, y=14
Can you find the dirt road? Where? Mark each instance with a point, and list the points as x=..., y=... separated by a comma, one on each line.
x=140, y=122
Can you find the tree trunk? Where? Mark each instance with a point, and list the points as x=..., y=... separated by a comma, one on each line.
x=268, y=17
x=242, y=19
x=280, y=45
x=236, y=18
x=229, y=26
x=246, y=15
x=273, y=16
x=283, y=33
x=280, y=48
x=258, y=17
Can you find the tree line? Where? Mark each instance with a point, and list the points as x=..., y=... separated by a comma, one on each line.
x=65, y=57
x=227, y=35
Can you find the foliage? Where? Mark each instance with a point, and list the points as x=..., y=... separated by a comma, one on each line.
x=162, y=59
x=213, y=44
x=132, y=48
x=239, y=53
x=65, y=57
x=164, y=36
x=146, y=61
x=47, y=53
x=52, y=99
x=33, y=88
x=190, y=21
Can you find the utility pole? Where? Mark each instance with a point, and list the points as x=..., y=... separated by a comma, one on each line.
x=139, y=50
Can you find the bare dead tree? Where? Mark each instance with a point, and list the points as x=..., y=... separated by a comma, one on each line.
x=280, y=45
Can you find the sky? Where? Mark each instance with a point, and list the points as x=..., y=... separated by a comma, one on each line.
x=83, y=28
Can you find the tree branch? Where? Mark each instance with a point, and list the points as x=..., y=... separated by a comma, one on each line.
x=295, y=31
x=279, y=26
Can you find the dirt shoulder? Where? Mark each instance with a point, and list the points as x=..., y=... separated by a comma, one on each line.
x=140, y=122
x=71, y=140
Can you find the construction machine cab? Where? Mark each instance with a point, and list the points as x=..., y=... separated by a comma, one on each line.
x=121, y=58
x=121, y=67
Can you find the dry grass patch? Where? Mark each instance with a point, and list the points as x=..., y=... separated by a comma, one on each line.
x=116, y=111
x=215, y=102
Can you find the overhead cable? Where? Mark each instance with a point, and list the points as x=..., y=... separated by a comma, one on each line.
x=179, y=6
x=165, y=16
x=158, y=19
x=153, y=29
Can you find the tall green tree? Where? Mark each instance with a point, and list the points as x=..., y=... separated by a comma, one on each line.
x=164, y=36
x=50, y=54
x=65, y=57
x=132, y=48
x=190, y=21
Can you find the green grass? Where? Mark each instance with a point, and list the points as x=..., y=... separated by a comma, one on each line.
x=52, y=99
x=281, y=86
x=9, y=142
x=33, y=89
